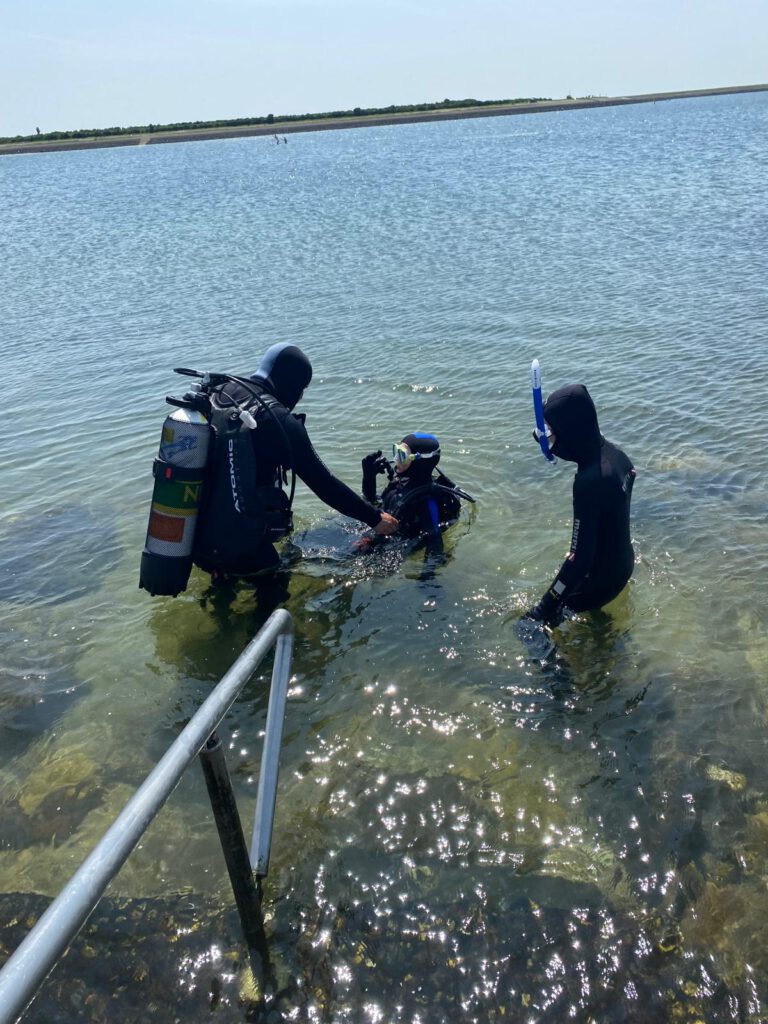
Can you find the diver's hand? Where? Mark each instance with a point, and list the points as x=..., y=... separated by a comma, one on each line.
x=376, y=463
x=547, y=612
x=371, y=462
x=387, y=526
x=363, y=543
x=534, y=614
x=528, y=626
x=534, y=636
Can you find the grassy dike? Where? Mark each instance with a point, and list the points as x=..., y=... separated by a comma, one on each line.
x=284, y=128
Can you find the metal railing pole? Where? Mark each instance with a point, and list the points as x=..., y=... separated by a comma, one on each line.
x=230, y=831
x=26, y=969
x=265, y=798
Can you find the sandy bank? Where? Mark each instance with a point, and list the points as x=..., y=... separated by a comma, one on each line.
x=331, y=124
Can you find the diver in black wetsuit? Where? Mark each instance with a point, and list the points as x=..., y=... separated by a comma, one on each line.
x=245, y=507
x=601, y=558
x=423, y=504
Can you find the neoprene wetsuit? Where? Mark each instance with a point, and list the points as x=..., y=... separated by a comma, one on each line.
x=423, y=504
x=280, y=443
x=601, y=557
x=421, y=507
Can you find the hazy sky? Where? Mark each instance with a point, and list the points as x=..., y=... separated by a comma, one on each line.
x=67, y=64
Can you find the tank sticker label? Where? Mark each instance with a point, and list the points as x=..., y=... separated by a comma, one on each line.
x=180, y=495
x=184, y=444
x=162, y=527
x=173, y=510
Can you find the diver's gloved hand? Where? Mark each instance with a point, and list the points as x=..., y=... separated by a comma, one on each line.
x=534, y=636
x=374, y=464
x=533, y=629
x=549, y=611
x=387, y=525
x=532, y=614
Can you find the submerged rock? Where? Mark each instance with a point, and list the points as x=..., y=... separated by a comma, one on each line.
x=38, y=684
x=502, y=948
x=140, y=960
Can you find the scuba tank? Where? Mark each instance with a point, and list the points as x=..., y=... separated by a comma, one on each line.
x=179, y=470
x=189, y=461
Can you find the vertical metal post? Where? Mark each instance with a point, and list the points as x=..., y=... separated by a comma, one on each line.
x=26, y=969
x=261, y=840
x=232, y=840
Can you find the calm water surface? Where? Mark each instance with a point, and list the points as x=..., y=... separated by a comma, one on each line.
x=462, y=831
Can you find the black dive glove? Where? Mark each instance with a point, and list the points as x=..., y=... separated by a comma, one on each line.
x=549, y=611
x=531, y=629
x=374, y=464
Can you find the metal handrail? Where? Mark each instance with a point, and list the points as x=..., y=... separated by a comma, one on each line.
x=25, y=971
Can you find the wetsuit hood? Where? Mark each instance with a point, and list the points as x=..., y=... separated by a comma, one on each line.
x=285, y=371
x=571, y=414
x=420, y=471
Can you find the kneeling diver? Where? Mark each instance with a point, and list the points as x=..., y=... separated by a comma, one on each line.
x=423, y=504
x=601, y=558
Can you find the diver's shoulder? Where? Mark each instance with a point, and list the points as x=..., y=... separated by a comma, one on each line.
x=612, y=455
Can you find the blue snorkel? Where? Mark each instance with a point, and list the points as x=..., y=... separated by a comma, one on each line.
x=538, y=411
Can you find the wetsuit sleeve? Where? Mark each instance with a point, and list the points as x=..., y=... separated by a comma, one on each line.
x=369, y=490
x=316, y=475
x=369, y=478
x=586, y=521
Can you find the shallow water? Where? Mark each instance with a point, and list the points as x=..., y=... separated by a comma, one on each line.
x=461, y=829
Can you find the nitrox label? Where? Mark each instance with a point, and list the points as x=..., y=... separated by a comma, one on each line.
x=180, y=497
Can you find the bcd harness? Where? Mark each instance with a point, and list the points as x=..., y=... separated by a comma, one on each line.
x=214, y=501
x=240, y=511
x=440, y=497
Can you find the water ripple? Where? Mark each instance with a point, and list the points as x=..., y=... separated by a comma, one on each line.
x=463, y=827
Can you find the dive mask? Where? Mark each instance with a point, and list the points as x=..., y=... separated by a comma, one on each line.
x=403, y=455
x=542, y=437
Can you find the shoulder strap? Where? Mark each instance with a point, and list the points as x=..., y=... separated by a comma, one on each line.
x=447, y=484
x=213, y=383
x=264, y=402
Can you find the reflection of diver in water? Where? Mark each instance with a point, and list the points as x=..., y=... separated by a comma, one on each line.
x=423, y=504
x=601, y=558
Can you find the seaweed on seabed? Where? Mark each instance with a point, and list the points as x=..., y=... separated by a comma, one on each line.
x=149, y=960
x=498, y=949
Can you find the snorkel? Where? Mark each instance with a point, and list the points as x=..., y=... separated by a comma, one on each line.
x=541, y=432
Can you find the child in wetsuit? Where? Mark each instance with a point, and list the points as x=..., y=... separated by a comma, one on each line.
x=424, y=504
x=601, y=559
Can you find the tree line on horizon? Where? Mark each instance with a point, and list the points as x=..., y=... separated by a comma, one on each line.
x=239, y=122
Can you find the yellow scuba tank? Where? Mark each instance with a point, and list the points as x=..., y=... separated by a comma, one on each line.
x=179, y=470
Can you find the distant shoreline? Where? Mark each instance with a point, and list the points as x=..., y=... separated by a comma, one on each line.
x=366, y=121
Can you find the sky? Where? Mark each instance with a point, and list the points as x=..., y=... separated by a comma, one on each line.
x=69, y=64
